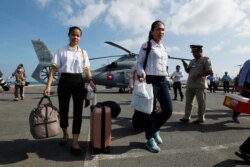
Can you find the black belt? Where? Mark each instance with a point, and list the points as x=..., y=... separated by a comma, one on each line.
x=70, y=75
x=154, y=78
x=69, y=78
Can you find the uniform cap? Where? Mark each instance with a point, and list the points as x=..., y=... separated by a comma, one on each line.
x=196, y=47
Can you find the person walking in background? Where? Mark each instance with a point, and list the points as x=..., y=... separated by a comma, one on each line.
x=70, y=62
x=244, y=86
x=168, y=80
x=211, y=86
x=198, y=69
x=236, y=83
x=20, y=82
x=226, y=79
x=19, y=66
x=176, y=77
x=154, y=72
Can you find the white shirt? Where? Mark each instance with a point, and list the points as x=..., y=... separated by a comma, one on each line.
x=68, y=60
x=177, y=75
x=157, y=60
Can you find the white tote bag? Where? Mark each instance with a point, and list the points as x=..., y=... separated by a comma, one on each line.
x=143, y=97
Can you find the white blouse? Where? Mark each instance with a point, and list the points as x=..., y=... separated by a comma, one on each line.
x=68, y=60
x=157, y=60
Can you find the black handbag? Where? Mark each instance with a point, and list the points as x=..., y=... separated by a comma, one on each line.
x=244, y=150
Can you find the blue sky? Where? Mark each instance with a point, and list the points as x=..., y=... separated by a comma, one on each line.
x=221, y=26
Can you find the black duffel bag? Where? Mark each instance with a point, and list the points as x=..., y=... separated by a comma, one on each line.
x=115, y=108
x=244, y=150
x=140, y=120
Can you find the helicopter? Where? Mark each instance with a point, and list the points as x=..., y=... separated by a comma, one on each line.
x=115, y=74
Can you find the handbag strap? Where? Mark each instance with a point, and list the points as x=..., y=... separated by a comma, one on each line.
x=47, y=97
x=148, y=49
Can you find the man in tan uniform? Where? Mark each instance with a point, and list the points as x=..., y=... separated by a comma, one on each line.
x=198, y=69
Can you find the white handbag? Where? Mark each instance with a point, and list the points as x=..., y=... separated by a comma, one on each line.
x=143, y=97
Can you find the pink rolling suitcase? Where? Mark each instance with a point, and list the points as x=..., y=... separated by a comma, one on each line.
x=100, y=129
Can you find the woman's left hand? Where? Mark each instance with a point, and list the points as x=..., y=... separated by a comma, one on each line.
x=92, y=84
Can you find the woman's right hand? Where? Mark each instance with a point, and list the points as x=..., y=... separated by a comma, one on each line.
x=142, y=78
x=46, y=91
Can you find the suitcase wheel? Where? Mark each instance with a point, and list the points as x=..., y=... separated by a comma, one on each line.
x=99, y=151
x=106, y=150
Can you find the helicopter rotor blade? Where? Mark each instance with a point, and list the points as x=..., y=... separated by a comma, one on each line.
x=118, y=46
x=103, y=57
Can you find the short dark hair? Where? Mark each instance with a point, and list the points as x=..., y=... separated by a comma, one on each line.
x=73, y=28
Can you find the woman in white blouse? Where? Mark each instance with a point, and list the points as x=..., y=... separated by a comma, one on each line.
x=71, y=62
x=155, y=73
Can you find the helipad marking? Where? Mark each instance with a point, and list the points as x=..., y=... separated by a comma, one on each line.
x=95, y=161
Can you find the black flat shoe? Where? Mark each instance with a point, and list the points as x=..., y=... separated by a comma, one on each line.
x=63, y=142
x=76, y=151
x=184, y=120
x=198, y=122
x=235, y=119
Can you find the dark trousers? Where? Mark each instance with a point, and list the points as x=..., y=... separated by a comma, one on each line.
x=71, y=85
x=212, y=86
x=177, y=86
x=17, y=89
x=244, y=94
x=161, y=93
x=226, y=86
x=169, y=86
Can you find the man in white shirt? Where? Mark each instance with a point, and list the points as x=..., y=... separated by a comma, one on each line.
x=176, y=77
x=168, y=80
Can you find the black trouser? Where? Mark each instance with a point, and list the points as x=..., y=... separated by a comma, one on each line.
x=226, y=86
x=71, y=85
x=17, y=89
x=212, y=86
x=177, y=86
x=161, y=93
x=244, y=94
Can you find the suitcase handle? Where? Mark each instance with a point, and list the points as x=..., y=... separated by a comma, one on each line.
x=103, y=129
